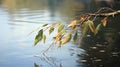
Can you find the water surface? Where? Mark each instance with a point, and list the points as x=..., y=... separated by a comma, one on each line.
x=19, y=17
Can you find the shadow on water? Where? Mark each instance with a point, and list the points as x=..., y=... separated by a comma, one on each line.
x=103, y=50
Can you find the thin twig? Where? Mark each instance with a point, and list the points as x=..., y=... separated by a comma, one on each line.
x=105, y=14
x=105, y=8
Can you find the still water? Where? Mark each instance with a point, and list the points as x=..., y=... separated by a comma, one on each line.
x=19, y=17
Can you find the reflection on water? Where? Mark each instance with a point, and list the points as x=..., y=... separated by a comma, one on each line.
x=20, y=17
x=103, y=50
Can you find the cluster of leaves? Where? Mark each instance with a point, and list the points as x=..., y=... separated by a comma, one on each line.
x=89, y=24
x=63, y=35
x=85, y=22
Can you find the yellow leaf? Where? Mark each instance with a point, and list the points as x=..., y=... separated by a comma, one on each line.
x=60, y=28
x=104, y=21
x=73, y=24
x=66, y=39
x=82, y=18
x=57, y=38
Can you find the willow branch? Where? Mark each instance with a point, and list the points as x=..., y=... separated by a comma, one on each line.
x=105, y=14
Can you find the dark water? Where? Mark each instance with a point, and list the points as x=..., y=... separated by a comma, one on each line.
x=19, y=17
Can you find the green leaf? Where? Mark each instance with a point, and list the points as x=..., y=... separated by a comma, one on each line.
x=60, y=65
x=60, y=28
x=75, y=37
x=44, y=25
x=51, y=30
x=44, y=38
x=66, y=39
x=35, y=65
x=58, y=23
x=38, y=37
x=85, y=27
x=97, y=28
x=91, y=26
